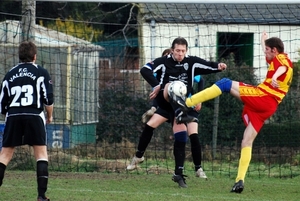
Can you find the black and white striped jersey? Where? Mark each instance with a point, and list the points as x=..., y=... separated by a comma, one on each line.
x=25, y=89
x=167, y=69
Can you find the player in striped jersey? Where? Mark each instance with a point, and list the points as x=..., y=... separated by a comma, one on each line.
x=260, y=102
x=149, y=113
x=177, y=66
x=25, y=91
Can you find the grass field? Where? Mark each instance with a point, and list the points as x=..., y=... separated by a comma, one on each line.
x=21, y=185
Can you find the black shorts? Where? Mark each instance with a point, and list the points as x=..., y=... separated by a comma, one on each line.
x=24, y=129
x=162, y=103
x=165, y=114
x=193, y=113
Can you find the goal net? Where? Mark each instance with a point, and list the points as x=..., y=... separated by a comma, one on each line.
x=94, y=52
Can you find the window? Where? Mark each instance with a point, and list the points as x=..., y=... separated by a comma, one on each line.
x=238, y=44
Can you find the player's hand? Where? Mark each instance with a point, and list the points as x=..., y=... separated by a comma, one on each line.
x=275, y=83
x=198, y=107
x=155, y=92
x=264, y=36
x=49, y=120
x=222, y=66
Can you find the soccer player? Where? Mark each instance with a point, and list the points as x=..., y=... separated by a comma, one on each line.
x=260, y=102
x=26, y=90
x=176, y=66
x=159, y=117
x=149, y=113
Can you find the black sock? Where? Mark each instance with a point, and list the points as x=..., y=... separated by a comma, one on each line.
x=2, y=170
x=42, y=177
x=179, y=155
x=145, y=139
x=196, y=150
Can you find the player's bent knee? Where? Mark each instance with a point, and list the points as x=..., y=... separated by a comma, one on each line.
x=181, y=136
x=224, y=84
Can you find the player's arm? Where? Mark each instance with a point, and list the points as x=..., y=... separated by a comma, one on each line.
x=49, y=113
x=147, y=73
x=203, y=67
x=4, y=99
x=48, y=96
x=264, y=36
x=48, y=105
x=281, y=70
x=201, y=84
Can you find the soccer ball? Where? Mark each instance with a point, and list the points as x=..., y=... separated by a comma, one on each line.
x=178, y=88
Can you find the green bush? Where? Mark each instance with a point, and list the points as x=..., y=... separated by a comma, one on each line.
x=120, y=115
x=279, y=135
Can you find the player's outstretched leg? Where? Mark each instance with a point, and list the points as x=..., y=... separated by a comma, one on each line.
x=180, y=108
x=223, y=85
x=179, y=101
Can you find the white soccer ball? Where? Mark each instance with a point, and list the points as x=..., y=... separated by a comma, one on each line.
x=178, y=88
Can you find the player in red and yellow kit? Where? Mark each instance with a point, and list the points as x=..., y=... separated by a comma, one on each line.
x=260, y=102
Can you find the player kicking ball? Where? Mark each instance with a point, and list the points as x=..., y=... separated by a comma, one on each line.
x=260, y=102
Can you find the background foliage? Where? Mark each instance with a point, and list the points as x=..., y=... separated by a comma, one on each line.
x=95, y=21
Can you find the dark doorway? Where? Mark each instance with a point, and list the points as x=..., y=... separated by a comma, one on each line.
x=238, y=44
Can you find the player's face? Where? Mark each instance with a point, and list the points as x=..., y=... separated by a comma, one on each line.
x=179, y=52
x=270, y=53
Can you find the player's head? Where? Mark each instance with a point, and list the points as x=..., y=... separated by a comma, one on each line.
x=166, y=52
x=179, y=48
x=27, y=51
x=274, y=46
x=275, y=42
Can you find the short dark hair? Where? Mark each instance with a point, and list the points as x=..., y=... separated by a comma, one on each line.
x=275, y=42
x=27, y=51
x=179, y=41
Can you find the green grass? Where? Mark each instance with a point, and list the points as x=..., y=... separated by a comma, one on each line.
x=21, y=185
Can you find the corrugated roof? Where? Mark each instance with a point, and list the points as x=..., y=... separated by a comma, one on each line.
x=223, y=13
x=45, y=36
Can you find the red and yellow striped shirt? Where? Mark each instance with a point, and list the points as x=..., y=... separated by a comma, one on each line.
x=284, y=80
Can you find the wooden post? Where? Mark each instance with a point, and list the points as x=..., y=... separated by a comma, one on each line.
x=28, y=20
